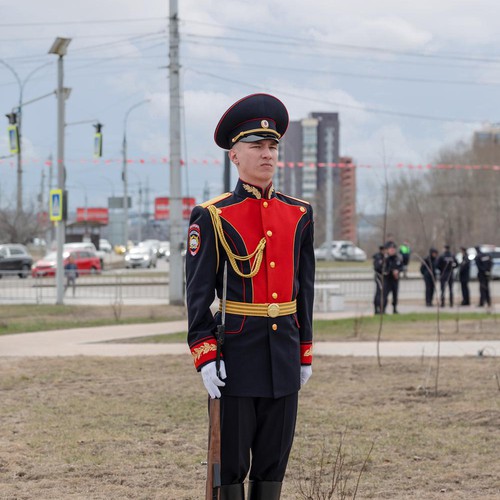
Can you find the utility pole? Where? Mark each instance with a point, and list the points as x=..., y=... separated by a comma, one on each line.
x=146, y=206
x=59, y=48
x=41, y=202
x=176, y=286
x=125, y=204
x=50, y=232
x=139, y=237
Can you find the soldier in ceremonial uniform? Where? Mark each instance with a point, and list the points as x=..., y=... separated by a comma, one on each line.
x=266, y=238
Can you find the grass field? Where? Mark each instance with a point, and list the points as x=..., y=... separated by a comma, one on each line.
x=136, y=428
x=32, y=318
x=90, y=428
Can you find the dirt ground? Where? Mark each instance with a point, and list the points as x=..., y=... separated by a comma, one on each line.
x=90, y=428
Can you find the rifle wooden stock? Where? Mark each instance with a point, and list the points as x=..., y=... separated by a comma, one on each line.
x=213, y=459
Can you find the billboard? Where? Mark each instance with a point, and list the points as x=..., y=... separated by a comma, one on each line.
x=93, y=214
x=162, y=207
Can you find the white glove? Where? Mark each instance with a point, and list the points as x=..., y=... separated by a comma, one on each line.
x=305, y=373
x=210, y=379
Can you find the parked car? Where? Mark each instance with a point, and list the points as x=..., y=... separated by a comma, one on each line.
x=86, y=245
x=105, y=246
x=140, y=256
x=471, y=252
x=87, y=262
x=14, y=258
x=341, y=250
x=165, y=249
x=153, y=244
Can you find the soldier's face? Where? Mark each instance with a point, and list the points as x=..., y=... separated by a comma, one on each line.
x=255, y=161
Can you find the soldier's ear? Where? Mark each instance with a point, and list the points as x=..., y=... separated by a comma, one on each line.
x=233, y=156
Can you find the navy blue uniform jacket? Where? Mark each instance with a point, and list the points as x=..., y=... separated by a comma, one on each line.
x=262, y=355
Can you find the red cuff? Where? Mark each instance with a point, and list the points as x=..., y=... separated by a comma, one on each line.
x=204, y=352
x=306, y=353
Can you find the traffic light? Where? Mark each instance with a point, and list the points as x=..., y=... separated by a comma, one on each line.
x=13, y=133
x=98, y=140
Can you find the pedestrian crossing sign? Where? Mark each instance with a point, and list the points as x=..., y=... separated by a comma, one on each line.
x=56, y=204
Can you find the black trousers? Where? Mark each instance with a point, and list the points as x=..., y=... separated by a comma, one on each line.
x=391, y=285
x=465, y=292
x=446, y=281
x=260, y=428
x=429, y=290
x=484, y=289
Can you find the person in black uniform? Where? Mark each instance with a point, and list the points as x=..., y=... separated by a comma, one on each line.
x=266, y=238
x=484, y=265
x=392, y=267
x=446, y=264
x=378, y=265
x=428, y=270
x=464, y=276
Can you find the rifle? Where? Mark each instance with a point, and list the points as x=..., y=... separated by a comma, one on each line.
x=213, y=460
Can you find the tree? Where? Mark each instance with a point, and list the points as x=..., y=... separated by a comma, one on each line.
x=19, y=227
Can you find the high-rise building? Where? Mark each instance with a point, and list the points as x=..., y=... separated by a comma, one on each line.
x=309, y=151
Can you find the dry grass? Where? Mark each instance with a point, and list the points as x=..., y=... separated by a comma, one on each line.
x=89, y=428
x=32, y=318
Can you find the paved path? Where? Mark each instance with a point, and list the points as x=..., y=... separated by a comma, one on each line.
x=92, y=342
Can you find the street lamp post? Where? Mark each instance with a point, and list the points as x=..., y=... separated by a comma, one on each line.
x=59, y=48
x=19, y=197
x=124, y=172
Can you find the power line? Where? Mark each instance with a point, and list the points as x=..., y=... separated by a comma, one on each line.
x=284, y=39
x=342, y=105
x=95, y=21
x=304, y=51
x=76, y=37
x=348, y=74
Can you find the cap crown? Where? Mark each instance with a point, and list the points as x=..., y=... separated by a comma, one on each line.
x=255, y=117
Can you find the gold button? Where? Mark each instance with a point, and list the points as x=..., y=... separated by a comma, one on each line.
x=274, y=327
x=265, y=204
x=272, y=264
x=275, y=295
x=302, y=209
x=269, y=233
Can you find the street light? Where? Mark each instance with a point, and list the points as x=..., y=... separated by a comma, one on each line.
x=19, y=201
x=59, y=48
x=124, y=172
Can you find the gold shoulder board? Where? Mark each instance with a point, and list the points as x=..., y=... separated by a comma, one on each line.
x=292, y=198
x=213, y=201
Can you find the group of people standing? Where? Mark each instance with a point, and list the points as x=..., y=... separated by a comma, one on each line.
x=444, y=267
x=390, y=263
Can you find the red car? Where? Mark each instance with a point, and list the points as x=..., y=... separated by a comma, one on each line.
x=86, y=262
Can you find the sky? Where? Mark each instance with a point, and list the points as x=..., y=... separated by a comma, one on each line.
x=406, y=79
